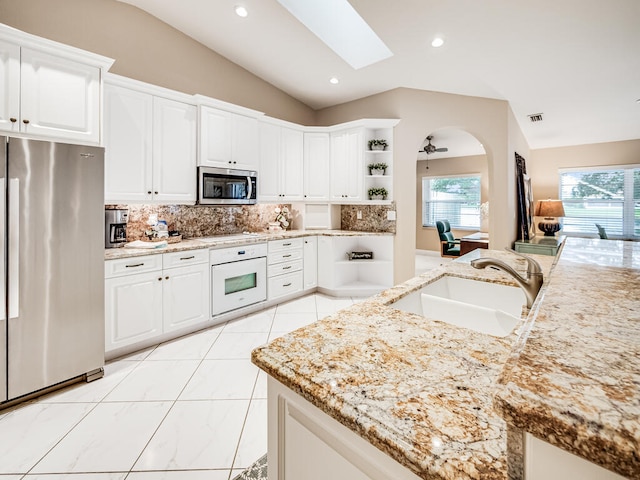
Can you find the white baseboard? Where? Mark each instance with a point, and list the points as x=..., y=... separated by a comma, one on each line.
x=429, y=253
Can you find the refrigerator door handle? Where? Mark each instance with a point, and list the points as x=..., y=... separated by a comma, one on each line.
x=14, y=248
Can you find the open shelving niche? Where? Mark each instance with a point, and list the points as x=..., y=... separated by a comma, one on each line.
x=381, y=131
x=341, y=277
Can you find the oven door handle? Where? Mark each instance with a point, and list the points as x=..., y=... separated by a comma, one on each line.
x=249, y=188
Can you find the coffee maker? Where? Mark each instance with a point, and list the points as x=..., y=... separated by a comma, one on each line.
x=115, y=227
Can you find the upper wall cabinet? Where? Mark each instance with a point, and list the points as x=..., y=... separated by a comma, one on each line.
x=227, y=139
x=346, y=165
x=150, y=144
x=49, y=90
x=317, y=159
x=281, y=163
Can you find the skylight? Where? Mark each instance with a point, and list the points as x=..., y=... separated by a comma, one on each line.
x=338, y=25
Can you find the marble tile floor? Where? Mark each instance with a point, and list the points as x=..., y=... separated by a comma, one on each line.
x=193, y=408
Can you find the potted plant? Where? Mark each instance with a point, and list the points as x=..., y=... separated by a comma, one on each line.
x=378, y=168
x=377, y=193
x=378, y=144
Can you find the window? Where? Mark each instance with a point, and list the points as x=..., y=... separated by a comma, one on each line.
x=455, y=198
x=609, y=197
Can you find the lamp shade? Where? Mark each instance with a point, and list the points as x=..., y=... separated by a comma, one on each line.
x=549, y=208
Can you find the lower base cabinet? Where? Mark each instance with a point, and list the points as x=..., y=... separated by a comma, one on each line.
x=145, y=305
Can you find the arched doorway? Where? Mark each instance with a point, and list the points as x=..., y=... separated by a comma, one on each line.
x=448, y=177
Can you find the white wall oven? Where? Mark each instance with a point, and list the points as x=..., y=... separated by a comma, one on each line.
x=226, y=186
x=238, y=277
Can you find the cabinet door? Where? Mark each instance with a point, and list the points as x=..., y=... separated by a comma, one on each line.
x=133, y=309
x=310, y=262
x=339, y=168
x=269, y=169
x=128, y=145
x=185, y=296
x=353, y=167
x=9, y=87
x=215, y=138
x=245, y=140
x=316, y=167
x=174, y=151
x=59, y=97
x=291, y=164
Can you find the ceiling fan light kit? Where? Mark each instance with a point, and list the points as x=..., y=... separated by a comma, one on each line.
x=430, y=148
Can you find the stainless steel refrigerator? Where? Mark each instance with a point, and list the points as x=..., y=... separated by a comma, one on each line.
x=51, y=265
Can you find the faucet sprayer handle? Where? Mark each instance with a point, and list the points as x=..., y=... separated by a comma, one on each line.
x=533, y=267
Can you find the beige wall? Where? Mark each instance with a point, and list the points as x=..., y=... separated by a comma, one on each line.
x=545, y=163
x=427, y=237
x=149, y=50
x=422, y=112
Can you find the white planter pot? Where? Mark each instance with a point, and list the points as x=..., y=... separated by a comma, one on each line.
x=376, y=171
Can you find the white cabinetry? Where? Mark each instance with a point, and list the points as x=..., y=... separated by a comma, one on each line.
x=346, y=165
x=284, y=268
x=339, y=276
x=227, y=140
x=49, y=89
x=144, y=300
x=317, y=167
x=543, y=461
x=133, y=300
x=281, y=163
x=310, y=262
x=150, y=144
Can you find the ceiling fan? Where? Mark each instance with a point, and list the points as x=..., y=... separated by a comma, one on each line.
x=429, y=148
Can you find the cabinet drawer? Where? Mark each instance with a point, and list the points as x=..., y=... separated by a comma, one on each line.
x=284, y=245
x=188, y=257
x=286, y=267
x=132, y=265
x=284, y=285
x=284, y=256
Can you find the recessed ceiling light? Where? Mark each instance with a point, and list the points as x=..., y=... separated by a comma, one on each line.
x=437, y=42
x=241, y=11
x=334, y=80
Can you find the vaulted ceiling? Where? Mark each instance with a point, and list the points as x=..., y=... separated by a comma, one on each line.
x=575, y=61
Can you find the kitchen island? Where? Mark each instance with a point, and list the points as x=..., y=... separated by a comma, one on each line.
x=421, y=392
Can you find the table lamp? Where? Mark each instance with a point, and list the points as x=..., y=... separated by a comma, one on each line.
x=550, y=210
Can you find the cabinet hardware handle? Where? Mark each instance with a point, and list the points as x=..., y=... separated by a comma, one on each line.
x=167, y=277
x=286, y=256
x=286, y=244
x=287, y=267
x=148, y=192
x=159, y=279
x=13, y=120
x=155, y=193
x=26, y=122
x=187, y=258
x=133, y=265
x=287, y=284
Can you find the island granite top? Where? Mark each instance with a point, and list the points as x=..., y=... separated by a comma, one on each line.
x=423, y=392
x=417, y=389
x=573, y=378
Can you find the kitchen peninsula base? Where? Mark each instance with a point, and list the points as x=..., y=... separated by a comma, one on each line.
x=317, y=446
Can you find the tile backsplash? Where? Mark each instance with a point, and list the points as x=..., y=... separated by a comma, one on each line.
x=205, y=221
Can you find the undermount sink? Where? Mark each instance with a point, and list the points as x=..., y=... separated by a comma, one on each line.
x=484, y=307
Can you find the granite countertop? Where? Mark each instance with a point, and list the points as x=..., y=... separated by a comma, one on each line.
x=195, y=243
x=573, y=378
x=419, y=390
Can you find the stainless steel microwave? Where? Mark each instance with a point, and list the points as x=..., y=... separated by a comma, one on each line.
x=226, y=186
